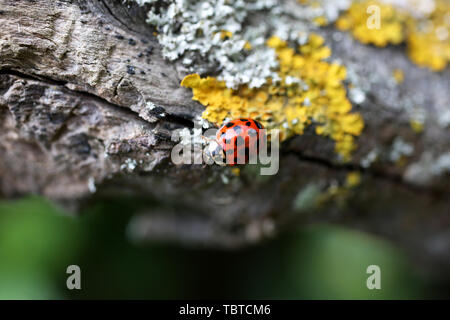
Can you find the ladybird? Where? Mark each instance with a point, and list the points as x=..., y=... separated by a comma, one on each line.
x=237, y=141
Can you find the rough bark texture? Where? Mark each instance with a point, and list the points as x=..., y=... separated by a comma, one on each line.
x=75, y=77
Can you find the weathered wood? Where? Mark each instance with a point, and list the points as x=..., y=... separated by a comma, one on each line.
x=75, y=81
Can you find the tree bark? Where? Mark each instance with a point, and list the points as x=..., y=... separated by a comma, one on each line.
x=75, y=81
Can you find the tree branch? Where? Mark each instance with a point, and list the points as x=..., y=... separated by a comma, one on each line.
x=79, y=83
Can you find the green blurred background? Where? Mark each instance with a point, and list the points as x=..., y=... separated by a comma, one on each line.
x=39, y=241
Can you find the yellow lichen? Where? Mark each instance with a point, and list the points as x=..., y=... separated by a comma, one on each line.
x=224, y=34
x=398, y=75
x=353, y=179
x=417, y=126
x=427, y=37
x=310, y=92
x=321, y=21
x=429, y=41
x=236, y=171
x=362, y=20
x=338, y=192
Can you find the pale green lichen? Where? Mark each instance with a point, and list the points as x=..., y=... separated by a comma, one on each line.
x=220, y=36
x=210, y=36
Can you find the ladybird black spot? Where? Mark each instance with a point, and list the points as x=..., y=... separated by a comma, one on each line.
x=248, y=123
x=237, y=129
x=258, y=124
x=229, y=124
x=244, y=120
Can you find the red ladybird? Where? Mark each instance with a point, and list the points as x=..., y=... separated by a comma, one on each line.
x=239, y=140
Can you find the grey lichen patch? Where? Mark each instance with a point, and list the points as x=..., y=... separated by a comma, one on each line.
x=444, y=120
x=306, y=199
x=209, y=35
x=327, y=9
x=202, y=123
x=396, y=152
x=428, y=168
x=357, y=95
x=369, y=158
x=400, y=149
x=129, y=165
